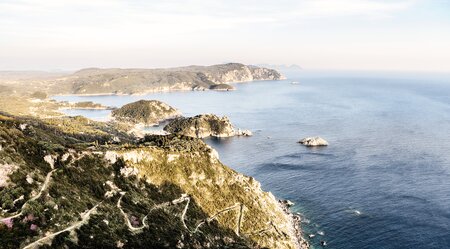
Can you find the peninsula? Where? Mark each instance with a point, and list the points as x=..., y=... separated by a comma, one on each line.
x=99, y=81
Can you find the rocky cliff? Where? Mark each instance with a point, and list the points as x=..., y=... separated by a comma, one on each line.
x=63, y=191
x=201, y=126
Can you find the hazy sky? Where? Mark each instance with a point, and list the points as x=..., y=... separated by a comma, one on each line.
x=315, y=34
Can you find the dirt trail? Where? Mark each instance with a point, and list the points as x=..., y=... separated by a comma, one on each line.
x=43, y=188
x=47, y=239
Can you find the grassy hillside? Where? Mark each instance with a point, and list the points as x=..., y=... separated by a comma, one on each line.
x=60, y=188
x=148, y=112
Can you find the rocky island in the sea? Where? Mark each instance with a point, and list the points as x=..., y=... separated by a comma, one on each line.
x=145, y=112
x=69, y=185
x=313, y=141
x=204, y=125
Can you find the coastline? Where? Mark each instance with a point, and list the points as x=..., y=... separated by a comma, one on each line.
x=294, y=224
x=159, y=90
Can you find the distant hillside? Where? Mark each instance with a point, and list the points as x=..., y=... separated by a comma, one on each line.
x=140, y=81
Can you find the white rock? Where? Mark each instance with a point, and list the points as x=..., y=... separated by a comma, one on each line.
x=129, y=171
x=50, y=159
x=65, y=157
x=289, y=203
x=245, y=133
x=313, y=141
x=5, y=171
x=29, y=179
x=23, y=126
x=111, y=156
x=172, y=157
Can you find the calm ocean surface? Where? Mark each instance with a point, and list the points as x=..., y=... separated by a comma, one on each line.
x=384, y=180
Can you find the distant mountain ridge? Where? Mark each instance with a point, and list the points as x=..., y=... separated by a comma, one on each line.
x=140, y=81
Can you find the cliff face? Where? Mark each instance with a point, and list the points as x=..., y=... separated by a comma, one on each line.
x=138, y=81
x=163, y=191
x=147, y=112
x=201, y=126
x=235, y=72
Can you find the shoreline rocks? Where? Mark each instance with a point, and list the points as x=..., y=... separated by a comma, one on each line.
x=313, y=141
x=222, y=87
x=244, y=133
x=296, y=221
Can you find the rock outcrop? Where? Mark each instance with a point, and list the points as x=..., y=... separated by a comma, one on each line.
x=313, y=141
x=146, y=112
x=222, y=87
x=236, y=72
x=244, y=133
x=201, y=126
x=160, y=192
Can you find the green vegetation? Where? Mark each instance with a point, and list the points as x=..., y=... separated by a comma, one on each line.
x=222, y=87
x=78, y=184
x=39, y=95
x=148, y=112
x=73, y=190
x=87, y=105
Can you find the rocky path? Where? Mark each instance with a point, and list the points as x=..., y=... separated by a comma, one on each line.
x=183, y=198
x=43, y=188
x=47, y=239
x=239, y=217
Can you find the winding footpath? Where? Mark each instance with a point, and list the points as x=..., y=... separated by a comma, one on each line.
x=239, y=219
x=47, y=239
x=43, y=188
x=183, y=198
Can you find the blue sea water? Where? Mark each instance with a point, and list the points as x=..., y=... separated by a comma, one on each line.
x=384, y=180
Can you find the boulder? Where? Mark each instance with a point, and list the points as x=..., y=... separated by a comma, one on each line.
x=244, y=133
x=313, y=141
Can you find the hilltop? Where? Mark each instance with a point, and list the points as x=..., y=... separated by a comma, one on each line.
x=146, y=112
x=84, y=185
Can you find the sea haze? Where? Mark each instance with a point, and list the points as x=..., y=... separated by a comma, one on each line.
x=384, y=180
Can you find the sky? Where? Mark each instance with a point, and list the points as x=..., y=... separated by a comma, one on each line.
x=405, y=35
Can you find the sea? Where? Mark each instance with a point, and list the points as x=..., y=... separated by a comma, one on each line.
x=384, y=180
